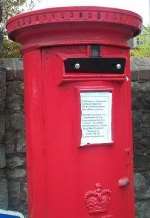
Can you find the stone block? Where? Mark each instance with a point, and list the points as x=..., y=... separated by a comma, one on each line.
x=3, y=193
x=140, y=185
x=143, y=209
x=17, y=196
x=15, y=161
x=2, y=126
x=14, y=67
x=14, y=188
x=15, y=87
x=14, y=103
x=20, y=142
x=140, y=64
x=17, y=173
x=2, y=88
x=16, y=121
x=141, y=93
x=14, y=141
x=2, y=156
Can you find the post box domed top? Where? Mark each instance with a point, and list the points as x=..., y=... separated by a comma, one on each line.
x=74, y=25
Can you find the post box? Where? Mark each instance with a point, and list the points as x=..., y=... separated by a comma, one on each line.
x=78, y=110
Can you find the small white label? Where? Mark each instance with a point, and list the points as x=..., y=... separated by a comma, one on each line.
x=96, y=117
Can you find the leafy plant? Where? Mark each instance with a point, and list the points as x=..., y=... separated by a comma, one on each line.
x=11, y=8
x=10, y=49
x=143, y=44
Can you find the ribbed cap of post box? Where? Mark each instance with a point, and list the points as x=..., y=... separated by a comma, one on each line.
x=74, y=25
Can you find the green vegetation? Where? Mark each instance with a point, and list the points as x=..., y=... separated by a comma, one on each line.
x=11, y=8
x=9, y=49
x=143, y=44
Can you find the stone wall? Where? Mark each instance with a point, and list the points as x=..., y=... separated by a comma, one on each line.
x=141, y=114
x=12, y=149
x=1, y=11
x=12, y=145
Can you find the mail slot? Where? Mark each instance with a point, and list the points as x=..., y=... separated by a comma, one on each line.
x=95, y=65
x=78, y=110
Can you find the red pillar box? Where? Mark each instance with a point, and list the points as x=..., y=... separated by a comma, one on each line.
x=78, y=110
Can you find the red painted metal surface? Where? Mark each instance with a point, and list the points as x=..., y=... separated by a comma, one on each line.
x=66, y=180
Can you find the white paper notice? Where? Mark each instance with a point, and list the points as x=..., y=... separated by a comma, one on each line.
x=96, y=117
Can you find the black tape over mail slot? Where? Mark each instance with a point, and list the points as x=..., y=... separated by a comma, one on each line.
x=95, y=65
